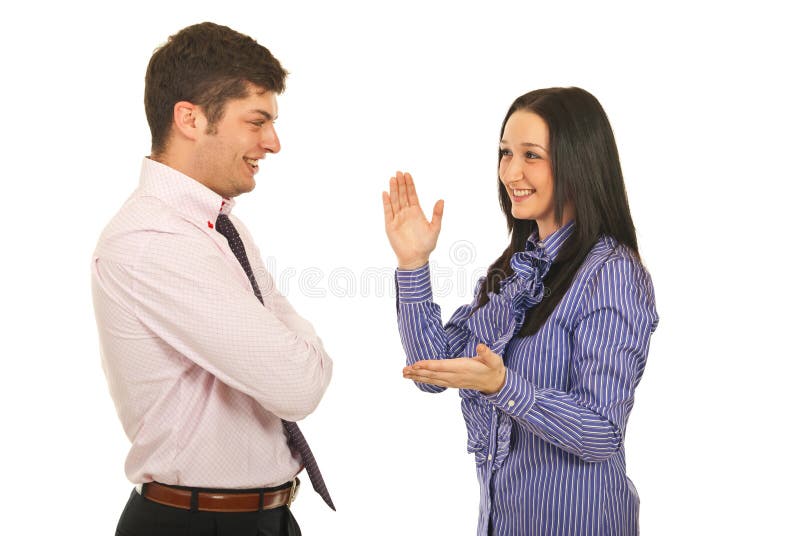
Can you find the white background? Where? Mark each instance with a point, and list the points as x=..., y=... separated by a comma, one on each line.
x=704, y=104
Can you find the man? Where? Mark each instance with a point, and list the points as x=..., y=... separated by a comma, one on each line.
x=208, y=364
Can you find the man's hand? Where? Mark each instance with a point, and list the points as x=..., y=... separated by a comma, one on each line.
x=485, y=372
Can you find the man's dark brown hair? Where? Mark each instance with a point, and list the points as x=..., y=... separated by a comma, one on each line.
x=208, y=65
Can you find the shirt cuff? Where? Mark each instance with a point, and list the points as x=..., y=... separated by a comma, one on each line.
x=414, y=286
x=516, y=397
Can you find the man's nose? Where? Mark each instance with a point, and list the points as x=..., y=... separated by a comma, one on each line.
x=270, y=140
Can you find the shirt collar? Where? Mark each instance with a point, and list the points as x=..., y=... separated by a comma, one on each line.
x=193, y=200
x=552, y=244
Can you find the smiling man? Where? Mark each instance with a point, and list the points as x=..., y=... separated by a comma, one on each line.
x=208, y=365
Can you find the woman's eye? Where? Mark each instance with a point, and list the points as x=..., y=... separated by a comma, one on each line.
x=505, y=152
x=531, y=155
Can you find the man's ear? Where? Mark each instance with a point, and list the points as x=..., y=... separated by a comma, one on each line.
x=189, y=120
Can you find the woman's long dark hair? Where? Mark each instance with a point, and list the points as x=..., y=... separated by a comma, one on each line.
x=586, y=172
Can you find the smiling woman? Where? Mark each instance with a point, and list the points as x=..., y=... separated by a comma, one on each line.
x=525, y=171
x=549, y=352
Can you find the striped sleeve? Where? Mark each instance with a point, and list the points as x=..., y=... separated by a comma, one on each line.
x=420, y=322
x=610, y=345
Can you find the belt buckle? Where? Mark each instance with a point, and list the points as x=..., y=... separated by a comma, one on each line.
x=293, y=491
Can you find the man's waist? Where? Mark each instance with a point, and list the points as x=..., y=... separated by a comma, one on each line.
x=220, y=499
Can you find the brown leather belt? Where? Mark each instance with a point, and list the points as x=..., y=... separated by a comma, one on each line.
x=228, y=501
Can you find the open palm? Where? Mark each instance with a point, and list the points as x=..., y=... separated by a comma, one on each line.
x=411, y=235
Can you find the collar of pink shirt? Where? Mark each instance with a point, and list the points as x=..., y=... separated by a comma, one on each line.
x=193, y=200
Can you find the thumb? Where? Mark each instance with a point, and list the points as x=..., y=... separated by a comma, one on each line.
x=436, y=218
x=484, y=353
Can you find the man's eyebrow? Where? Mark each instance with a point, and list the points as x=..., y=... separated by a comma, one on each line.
x=527, y=144
x=268, y=116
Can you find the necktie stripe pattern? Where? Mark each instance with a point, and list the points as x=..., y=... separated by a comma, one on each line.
x=296, y=439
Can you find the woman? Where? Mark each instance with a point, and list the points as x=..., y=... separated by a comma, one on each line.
x=549, y=352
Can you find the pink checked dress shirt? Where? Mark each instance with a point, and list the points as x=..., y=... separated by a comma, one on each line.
x=200, y=372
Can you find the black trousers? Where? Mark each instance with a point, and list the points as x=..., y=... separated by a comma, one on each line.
x=142, y=517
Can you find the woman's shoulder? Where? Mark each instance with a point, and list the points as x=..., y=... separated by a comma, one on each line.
x=609, y=259
x=607, y=250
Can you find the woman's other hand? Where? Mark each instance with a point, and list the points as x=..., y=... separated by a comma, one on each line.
x=485, y=372
x=411, y=235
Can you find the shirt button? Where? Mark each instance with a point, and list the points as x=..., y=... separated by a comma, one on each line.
x=489, y=457
x=511, y=403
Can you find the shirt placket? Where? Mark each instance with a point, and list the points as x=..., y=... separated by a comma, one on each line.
x=488, y=472
x=492, y=447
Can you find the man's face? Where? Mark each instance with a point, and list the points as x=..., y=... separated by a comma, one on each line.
x=227, y=154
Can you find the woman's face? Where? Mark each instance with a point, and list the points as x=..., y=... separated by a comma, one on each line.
x=526, y=172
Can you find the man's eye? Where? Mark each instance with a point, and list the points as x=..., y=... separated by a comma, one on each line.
x=259, y=124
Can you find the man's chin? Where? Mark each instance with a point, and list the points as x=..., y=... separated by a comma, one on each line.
x=244, y=187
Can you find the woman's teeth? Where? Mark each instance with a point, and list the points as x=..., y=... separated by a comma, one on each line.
x=522, y=193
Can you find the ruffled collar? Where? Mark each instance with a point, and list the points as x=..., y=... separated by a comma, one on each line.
x=551, y=245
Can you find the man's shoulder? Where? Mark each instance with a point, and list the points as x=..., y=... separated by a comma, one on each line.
x=138, y=222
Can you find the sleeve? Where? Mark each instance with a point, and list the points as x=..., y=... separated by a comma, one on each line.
x=191, y=297
x=420, y=322
x=610, y=346
x=273, y=299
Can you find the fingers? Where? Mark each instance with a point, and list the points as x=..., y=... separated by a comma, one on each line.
x=393, y=195
x=410, y=372
x=402, y=189
x=412, y=190
x=432, y=381
x=442, y=379
x=450, y=373
x=440, y=365
x=403, y=193
x=388, y=213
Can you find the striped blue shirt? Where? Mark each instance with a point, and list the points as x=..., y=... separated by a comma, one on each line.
x=549, y=446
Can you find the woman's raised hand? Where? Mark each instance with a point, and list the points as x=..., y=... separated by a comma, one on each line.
x=411, y=235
